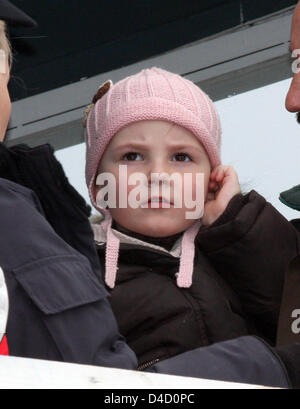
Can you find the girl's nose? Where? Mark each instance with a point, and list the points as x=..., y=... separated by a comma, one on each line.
x=157, y=171
x=158, y=165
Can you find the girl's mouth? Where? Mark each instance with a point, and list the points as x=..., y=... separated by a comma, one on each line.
x=159, y=202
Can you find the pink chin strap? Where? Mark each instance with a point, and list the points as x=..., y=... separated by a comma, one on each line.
x=186, y=268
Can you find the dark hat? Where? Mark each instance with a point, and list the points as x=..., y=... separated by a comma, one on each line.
x=14, y=16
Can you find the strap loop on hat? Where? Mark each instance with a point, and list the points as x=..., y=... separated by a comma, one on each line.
x=103, y=89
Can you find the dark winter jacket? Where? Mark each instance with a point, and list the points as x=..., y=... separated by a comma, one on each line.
x=237, y=283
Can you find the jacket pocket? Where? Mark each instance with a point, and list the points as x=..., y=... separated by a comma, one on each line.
x=73, y=306
x=60, y=283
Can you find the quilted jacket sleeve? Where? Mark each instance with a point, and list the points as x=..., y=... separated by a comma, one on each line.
x=251, y=245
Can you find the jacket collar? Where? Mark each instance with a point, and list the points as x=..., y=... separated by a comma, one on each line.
x=100, y=237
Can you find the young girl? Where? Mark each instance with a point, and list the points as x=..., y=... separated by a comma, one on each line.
x=178, y=283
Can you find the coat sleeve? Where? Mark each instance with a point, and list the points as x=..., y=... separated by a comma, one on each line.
x=58, y=306
x=250, y=246
x=246, y=360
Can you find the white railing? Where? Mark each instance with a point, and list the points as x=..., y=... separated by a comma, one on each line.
x=21, y=373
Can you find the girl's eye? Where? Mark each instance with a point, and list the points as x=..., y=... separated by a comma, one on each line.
x=132, y=156
x=182, y=157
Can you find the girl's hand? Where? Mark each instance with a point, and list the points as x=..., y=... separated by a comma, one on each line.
x=223, y=185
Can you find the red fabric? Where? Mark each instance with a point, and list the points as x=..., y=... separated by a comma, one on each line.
x=4, y=346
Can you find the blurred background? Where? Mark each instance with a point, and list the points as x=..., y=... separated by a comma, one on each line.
x=236, y=51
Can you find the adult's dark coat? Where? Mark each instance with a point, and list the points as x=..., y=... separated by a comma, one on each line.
x=66, y=211
x=58, y=308
x=289, y=323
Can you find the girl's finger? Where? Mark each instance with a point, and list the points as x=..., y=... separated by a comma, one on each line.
x=215, y=170
x=210, y=197
x=212, y=185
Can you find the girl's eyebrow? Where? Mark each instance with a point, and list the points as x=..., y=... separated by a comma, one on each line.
x=185, y=146
x=132, y=145
x=175, y=146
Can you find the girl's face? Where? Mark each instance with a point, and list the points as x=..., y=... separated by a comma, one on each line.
x=5, y=103
x=157, y=147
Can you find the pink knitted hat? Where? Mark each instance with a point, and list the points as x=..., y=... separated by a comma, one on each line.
x=152, y=94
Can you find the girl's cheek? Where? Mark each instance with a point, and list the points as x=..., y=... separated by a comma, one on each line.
x=195, y=184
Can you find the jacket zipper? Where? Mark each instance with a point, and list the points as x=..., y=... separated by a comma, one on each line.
x=147, y=365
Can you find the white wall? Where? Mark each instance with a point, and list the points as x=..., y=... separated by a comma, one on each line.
x=260, y=139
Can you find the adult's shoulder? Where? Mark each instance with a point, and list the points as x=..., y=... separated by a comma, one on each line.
x=296, y=224
x=15, y=192
x=14, y=187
